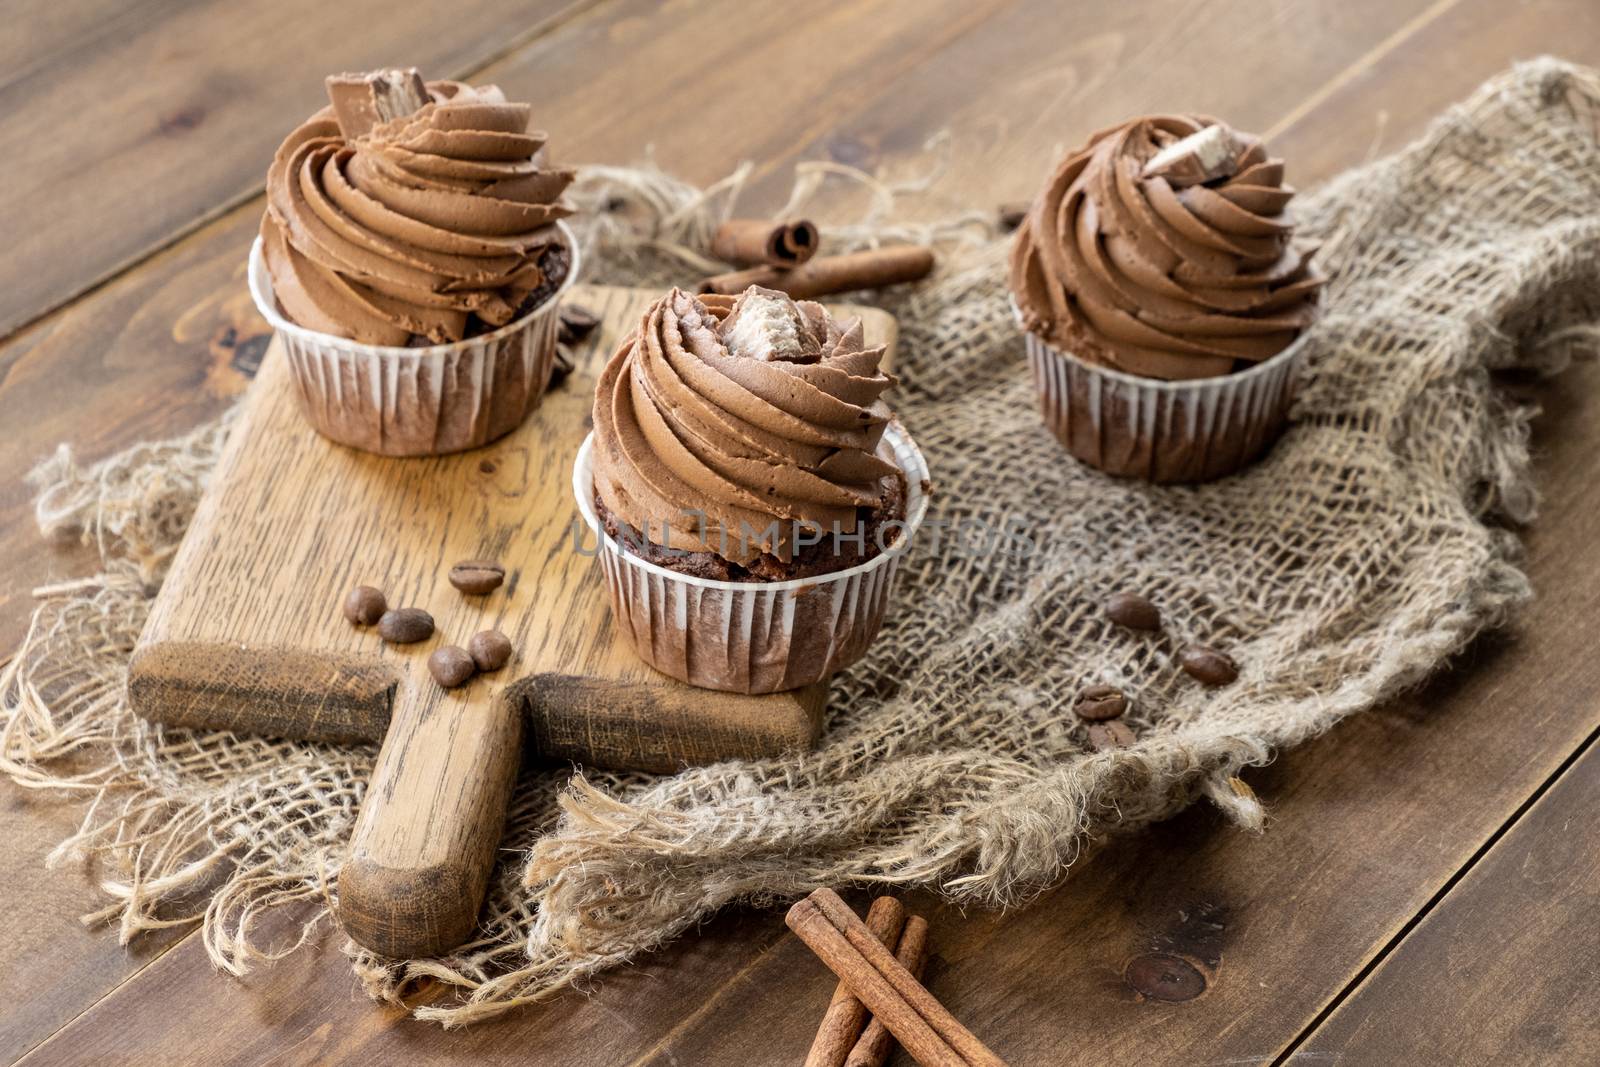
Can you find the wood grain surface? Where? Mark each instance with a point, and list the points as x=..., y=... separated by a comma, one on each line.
x=1513, y=949
x=1372, y=826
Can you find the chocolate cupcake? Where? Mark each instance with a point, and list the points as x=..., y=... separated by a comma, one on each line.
x=749, y=488
x=1164, y=300
x=411, y=257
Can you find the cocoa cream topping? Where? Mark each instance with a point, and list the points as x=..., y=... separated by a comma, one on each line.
x=1163, y=248
x=730, y=425
x=415, y=227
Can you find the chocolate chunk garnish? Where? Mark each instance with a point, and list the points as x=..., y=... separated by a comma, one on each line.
x=451, y=666
x=1108, y=735
x=364, y=605
x=1207, y=665
x=362, y=102
x=1209, y=154
x=475, y=577
x=1098, y=702
x=405, y=626
x=489, y=649
x=1133, y=611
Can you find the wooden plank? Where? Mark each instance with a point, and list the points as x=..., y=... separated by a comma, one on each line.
x=1514, y=948
x=307, y=1009
x=1337, y=874
x=1048, y=80
x=147, y=356
x=710, y=85
x=128, y=124
x=48, y=953
x=1380, y=104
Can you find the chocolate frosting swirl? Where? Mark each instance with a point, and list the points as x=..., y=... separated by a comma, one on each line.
x=1158, y=274
x=414, y=229
x=728, y=425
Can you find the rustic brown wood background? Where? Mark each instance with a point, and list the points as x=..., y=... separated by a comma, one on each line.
x=1427, y=888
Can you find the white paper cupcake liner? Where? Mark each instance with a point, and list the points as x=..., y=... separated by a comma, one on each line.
x=418, y=401
x=752, y=637
x=1161, y=431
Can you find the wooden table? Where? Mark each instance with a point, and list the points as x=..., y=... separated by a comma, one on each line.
x=1427, y=887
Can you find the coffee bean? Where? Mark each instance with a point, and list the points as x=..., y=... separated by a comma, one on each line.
x=1133, y=611
x=364, y=605
x=450, y=666
x=1099, y=702
x=564, y=362
x=490, y=649
x=1105, y=736
x=405, y=626
x=1207, y=665
x=475, y=577
x=576, y=323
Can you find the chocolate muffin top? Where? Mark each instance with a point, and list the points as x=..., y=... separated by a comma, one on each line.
x=1163, y=248
x=731, y=425
x=423, y=218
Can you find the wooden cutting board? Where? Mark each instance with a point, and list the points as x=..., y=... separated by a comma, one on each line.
x=247, y=635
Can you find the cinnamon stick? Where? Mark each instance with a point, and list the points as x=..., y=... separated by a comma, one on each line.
x=826, y=275
x=875, y=1044
x=912, y=1014
x=846, y=1015
x=757, y=242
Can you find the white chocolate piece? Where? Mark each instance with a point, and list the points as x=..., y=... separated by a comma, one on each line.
x=764, y=324
x=1200, y=157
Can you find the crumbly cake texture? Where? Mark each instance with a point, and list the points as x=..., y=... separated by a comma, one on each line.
x=825, y=556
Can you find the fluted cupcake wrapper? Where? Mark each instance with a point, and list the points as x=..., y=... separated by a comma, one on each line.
x=1161, y=431
x=752, y=637
x=418, y=401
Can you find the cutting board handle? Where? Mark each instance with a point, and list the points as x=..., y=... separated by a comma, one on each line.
x=424, y=844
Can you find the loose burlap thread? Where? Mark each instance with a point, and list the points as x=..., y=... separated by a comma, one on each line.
x=1371, y=544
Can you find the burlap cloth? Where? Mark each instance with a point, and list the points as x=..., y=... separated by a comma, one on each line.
x=1357, y=557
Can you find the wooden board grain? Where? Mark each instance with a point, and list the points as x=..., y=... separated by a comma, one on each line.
x=1514, y=948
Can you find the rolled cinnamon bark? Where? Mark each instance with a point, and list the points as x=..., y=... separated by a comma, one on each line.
x=826, y=275
x=758, y=242
x=842, y=1023
x=876, y=1042
x=913, y=1015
